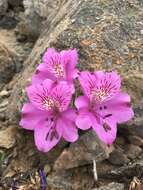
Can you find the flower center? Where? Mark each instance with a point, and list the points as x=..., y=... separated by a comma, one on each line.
x=58, y=70
x=99, y=96
x=48, y=103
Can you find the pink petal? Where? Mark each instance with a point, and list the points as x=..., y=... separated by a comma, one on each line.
x=45, y=137
x=31, y=116
x=87, y=82
x=106, y=129
x=81, y=102
x=48, y=55
x=112, y=77
x=42, y=74
x=70, y=114
x=120, y=108
x=36, y=93
x=62, y=94
x=70, y=59
x=107, y=81
x=83, y=120
x=70, y=132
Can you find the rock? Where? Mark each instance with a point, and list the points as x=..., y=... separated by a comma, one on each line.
x=7, y=66
x=104, y=40
x=15, y=3
x=130, y=170
x=2, y=116
x=136, y=129
x=12, y=55
x=43, y=8
x=117, y=157
x=36, y=12
x=7, y=137
x=4, y=103
x=112, y=186
x=3, y=106
x=133, y=151
x=84, y=151
x=120, y=141
x=4, y=93
x=3, y=7
x=135, y=140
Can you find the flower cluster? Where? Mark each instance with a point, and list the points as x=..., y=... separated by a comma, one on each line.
x=49, y=113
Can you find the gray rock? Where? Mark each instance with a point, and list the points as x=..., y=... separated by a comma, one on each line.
x=130, y=170
x=136, y=140
x=12, y=55
x=7, y=137
x=15, y=3
x=117, y=157
x=36, y=12
x=112, y=186
x=85, y=150
x=133, y=151
x=79, y=24
x=3, y=7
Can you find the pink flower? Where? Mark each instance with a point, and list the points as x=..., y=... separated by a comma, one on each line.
x=103, y=104
x=49, y=115
x=57, y=66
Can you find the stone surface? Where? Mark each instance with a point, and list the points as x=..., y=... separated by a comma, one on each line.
x=133, y=151
x=3, y=7
x=12, y=55
x=136, y=140
x=105, y=37
x=7, y=137
x=84, y=151
x=117, y=157
x=112, y=186
x=36, y=12
x=15, y=3
x=4, y=93
x=44, y=8
x=130, y=170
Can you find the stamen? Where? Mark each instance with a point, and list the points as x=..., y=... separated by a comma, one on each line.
x=58, y=70
x=48, y=103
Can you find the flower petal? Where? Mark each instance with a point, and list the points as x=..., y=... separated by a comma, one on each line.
x=105, y=129
x=31, y=116
x=62, y=94
x=70, y=114
x=46, y=137
x=107, y=85
x=81, y=102
x=87, y=82
x=37, y=93
x=48, y=55
x=70, y=59
x=120, y=107
x=83, y=120
x=70, y=132
x=42, y=74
